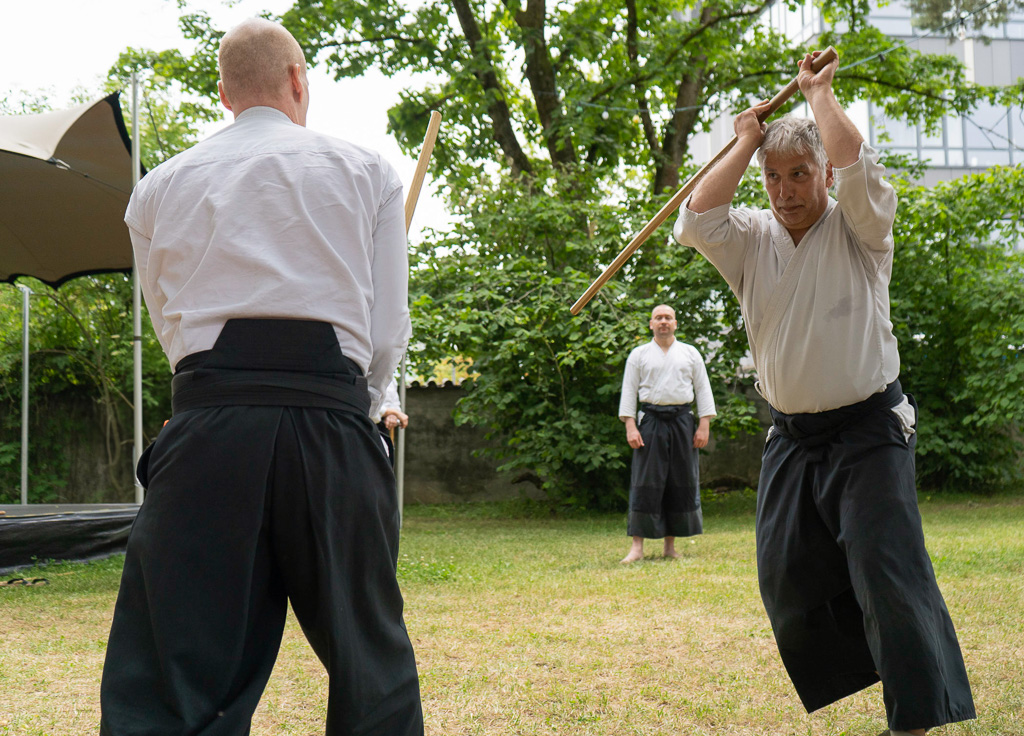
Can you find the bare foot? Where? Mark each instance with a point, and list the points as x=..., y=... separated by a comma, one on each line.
x=631, y=557
x=671, y=554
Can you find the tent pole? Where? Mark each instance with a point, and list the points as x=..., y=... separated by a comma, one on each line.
x=400, y=450
x=136, y=302
x=25, y=307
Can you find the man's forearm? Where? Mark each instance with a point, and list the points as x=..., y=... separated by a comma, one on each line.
x=839, y=135
x=719, y=185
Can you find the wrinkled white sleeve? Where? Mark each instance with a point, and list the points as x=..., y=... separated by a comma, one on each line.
x=723, y=235
x=389, y=314
x=630, y=386
x=141, y=235
x=702, y=388
x=391, y=399
x=867, y=201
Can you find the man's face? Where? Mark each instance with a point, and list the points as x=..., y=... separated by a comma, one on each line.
x=663, y=322
x=798, y=190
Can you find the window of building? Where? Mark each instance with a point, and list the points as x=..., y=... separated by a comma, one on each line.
x=1017, y=131
x=892, y=18
x=987, y=137
x=896, y=133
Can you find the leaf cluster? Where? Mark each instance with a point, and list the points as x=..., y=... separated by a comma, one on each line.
x=80, y=347
x=958, y=280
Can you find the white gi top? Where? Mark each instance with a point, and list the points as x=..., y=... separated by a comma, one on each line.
x=269, y=219
x=817, y=316
x=667, y=378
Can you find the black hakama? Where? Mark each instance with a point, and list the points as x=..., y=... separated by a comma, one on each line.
x=664, y=494
x=844, y=574
x=268, y=485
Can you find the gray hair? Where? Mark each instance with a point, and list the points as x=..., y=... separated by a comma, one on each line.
x=791, y=135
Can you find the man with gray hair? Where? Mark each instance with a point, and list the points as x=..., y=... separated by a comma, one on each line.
x=273, y=261
x=843, y=570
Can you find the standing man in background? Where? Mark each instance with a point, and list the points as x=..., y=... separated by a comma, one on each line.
x=664, y=490
x=273, y=262
x=843, y=570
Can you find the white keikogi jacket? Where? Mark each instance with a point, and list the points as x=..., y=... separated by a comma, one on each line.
x=817, y=316
x=677, y=377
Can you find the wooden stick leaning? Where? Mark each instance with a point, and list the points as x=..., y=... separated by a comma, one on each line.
x=677, y=199
x=411, y=198
x=421, y=167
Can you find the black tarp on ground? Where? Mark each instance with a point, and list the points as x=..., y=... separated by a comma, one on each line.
x=36, y=533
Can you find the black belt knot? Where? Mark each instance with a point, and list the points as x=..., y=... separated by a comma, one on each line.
x=814, y=431
x=665, y=411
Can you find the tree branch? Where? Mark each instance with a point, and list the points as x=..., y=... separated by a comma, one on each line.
x=633, y=50
x=540, y=74
x=497, y=107
x=372, y=39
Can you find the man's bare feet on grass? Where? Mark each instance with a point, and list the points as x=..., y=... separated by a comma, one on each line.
x=636, y=552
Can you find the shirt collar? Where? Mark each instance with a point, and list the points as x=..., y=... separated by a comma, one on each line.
x=263, y=112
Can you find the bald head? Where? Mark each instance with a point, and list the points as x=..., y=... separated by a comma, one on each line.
x=663, y=324
x=261, y=63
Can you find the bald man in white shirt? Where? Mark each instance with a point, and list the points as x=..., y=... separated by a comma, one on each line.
x=273, y=262
x=844, y=573
x=664, y=490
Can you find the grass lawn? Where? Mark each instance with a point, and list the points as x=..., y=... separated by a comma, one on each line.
x=530, y=626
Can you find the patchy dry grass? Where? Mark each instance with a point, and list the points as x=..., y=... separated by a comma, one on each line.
x=530, y=626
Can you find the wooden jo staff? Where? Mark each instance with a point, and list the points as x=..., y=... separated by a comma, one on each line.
x=672, y=205
x=410, y=207
x=421, y=167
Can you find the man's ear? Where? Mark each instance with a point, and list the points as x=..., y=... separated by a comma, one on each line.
x=223, y=96
x=829, y=176
x=295, y=80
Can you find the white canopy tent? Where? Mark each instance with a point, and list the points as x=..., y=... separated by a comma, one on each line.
x=65, y=181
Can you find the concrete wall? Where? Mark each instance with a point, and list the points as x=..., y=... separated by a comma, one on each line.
x=729, y=464
x=439, y=457
x=441, y=466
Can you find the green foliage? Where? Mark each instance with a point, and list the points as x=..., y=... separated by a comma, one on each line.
x=606, y=84
x=549, y=382
x=171, y=113
x=81, y=355
x=958, y=281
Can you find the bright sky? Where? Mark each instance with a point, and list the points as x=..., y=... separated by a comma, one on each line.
x=52, y=47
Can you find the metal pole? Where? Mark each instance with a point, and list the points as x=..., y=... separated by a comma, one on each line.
x=400, y=450
x=25, y=292
x=136, y=302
